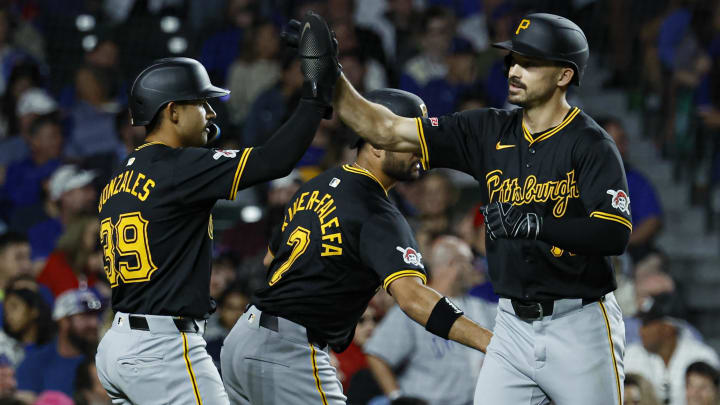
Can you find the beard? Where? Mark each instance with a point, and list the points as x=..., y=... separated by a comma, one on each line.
x=399, y=169
x=530, y=98
x=83, y=343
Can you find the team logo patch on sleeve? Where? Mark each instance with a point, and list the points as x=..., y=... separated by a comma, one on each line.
x=434, y=121
x=620, y=200
x=232, y=153
x=411, y=256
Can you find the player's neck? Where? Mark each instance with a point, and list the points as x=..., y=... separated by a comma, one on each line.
x=375, y=167
x=547, y=115
x=165, y=137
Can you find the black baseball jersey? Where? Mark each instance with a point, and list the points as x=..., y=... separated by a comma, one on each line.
x=570, y=171
x=156, y=228
x=341, y=239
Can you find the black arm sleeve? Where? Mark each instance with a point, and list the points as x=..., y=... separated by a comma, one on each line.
x=277, y=157
x=586, y=236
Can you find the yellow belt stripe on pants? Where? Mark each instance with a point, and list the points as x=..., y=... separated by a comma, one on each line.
x=612, y=352
x=317, y=377
x=198, y=400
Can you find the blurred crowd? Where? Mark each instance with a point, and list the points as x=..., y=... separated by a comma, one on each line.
x=66, y=66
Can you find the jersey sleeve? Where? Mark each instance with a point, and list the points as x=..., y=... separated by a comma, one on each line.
x=453, y=140
x=209, y=174
x=602, y=183
x=389, y=248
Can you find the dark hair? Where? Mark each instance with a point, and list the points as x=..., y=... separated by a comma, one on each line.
x=45, y=324
x=156, y=121
x=47, y=119
x=11, y=238
x=25, y=68
x=234, y=287
x=631, y=380
x=432, y=13
x=704, y=369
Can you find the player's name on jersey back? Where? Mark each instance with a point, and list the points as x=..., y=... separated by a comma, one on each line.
x=329, y=225
x=129, y=181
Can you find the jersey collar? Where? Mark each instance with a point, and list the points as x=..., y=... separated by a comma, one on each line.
x=148, y=144
x=353, y=169
x=549, y=132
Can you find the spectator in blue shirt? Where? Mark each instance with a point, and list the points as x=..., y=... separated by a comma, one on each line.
x=644, y=204
x=53, y=366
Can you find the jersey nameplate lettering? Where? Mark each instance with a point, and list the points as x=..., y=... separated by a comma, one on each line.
x=129, y=181
x=329, y=226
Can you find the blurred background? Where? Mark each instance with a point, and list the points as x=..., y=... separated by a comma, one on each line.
x=653, y=82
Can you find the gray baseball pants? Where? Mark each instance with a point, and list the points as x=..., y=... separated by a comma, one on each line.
x=267, y=367
x=572, y=357
x=157, y=366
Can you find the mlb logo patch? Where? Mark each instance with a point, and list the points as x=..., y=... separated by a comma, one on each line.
x=334, y=182
x=434, y=121
x=130, y=161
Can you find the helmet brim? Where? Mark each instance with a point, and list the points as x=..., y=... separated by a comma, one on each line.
x=214, y=92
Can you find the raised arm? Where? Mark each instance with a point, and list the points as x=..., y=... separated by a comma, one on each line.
x=374, y=122
x=430, y=309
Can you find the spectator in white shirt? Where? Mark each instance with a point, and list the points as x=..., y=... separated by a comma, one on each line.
x=667, y=349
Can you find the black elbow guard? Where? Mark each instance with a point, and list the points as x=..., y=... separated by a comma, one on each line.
x=442, y=318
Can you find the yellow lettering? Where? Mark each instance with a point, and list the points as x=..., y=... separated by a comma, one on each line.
x=323, y=216
x=524, y=24
x=301, y=201
x=139, y=177
x=330, y=250
x=325, y=207
x=335, y=237
x=330, y=223
x=290, y=214
x=123, y=185
x=312, y=200
x=117, y=183
x=322, y=202
x=531, y=191
x=146, y=189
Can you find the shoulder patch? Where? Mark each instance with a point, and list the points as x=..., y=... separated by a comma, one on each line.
x=434, y=121
x=620, y=200
x=411, y=256
x=232, y=153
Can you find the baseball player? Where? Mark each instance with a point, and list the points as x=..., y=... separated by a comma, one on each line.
x=157, y=230
x=558, y=206
x=341, y=239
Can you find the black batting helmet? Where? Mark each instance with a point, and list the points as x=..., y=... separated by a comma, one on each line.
x=400, y=102
x=166, y=80
x=551, y=37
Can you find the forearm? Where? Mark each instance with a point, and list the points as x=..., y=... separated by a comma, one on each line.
x=586, y=236
x=383, y=374
x=418, y=302
x=645, y=231
x=374, y=122
x=279, y=154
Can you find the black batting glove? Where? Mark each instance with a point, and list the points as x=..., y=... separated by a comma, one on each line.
x=504, y=220
x=318, y=50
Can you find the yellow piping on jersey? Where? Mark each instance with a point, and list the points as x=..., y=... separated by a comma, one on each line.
x=425, y=160
x=546, y=135
x=148, y=144
x=612, y=352
x=188, y=366
x=403, y=273
x=611, y=217
x=364, y=173
x=317, y=377
x=238, y=173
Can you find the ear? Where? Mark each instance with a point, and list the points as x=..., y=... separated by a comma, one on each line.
x=565, y=77
x=172, y=112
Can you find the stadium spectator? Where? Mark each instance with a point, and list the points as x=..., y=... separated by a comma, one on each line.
x=130, y=137
x=88, y=389
x=25, y=178
x=256, y=69
x=222, y=48
x=92, y=115
x=646, y=208
x=230, y=306
x=432, y=62
x=638, y=391
x=27, y=322
x=71, y=265
x=701, y=384
x=53, y=366
x=434, y=369
x=14, y=257
x=666, y=350
x=23, y=76
x=359, y=385
x=438, y=197
x=271, y=107
x=9, y=53
x=70, y=194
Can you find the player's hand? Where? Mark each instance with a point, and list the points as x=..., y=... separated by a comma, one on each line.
x=318, y=49
x=504, y=220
